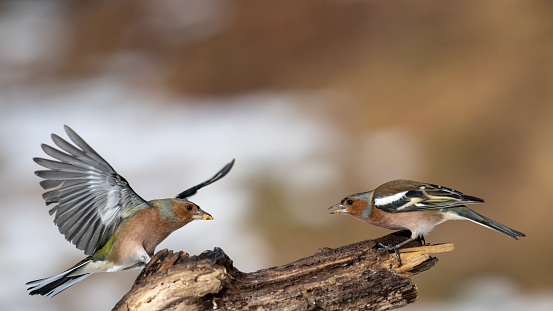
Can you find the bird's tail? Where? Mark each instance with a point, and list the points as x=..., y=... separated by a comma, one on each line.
x=473, y=216
x=55, y=284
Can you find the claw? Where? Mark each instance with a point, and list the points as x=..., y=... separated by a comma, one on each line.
x=393, y=248
x=396, y=248
x=386, y=247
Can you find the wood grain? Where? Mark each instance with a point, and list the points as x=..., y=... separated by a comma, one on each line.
x=358, y=276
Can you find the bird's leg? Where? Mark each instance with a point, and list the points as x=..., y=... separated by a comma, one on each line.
x=142, y=258
x=421, y=239
x=396, y=248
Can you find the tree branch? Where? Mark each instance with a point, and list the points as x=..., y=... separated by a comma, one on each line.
x=359, y=276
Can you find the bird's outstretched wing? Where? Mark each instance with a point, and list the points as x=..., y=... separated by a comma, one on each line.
x=92, y=199
x=407, y=196
x=192, y=191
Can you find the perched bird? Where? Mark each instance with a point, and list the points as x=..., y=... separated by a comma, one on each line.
x=415, y=206
x=97, y=210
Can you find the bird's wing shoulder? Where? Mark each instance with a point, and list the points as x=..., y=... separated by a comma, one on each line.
x=91, y=198
x=408, y=196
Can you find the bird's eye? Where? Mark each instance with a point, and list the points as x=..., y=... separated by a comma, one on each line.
x=349, y=202
x=189, y=207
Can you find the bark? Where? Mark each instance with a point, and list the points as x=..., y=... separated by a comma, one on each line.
x=360, y=276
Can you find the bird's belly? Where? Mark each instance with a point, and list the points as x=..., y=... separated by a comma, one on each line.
x=418, y=222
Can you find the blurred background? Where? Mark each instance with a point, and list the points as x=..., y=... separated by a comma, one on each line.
x=316, y=100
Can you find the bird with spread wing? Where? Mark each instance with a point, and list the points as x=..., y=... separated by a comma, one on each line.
x=97, y=210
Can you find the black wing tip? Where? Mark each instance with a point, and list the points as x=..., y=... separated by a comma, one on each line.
x=222, y=173
x=471, y=199
x=226, y=169
x=515, y=234
x=193, y=190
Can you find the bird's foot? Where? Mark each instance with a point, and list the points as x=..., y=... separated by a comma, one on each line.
x=143, y=258
x=386, y=247
x=394, y=248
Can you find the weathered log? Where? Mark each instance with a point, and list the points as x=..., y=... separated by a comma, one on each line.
x=360, y=276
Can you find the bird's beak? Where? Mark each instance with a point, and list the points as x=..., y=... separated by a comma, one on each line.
x=340, y=208
x=202, y=215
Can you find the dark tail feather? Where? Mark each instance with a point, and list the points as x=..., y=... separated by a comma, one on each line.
x=54, y=285
x=486, y=222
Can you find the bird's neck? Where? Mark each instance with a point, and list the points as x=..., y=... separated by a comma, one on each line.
x=141, y=232
x=156, y=228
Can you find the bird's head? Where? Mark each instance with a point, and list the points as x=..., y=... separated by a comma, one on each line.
x=181, y=210
x=184, y=209
x=357, y=205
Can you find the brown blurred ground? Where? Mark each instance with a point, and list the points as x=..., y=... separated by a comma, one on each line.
x=461, y=93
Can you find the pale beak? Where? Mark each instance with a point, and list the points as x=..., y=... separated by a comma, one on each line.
x=340, y=208
x=202, y=215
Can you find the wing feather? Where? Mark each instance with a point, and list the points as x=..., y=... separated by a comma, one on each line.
x=91, y=198
x=407, y=196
